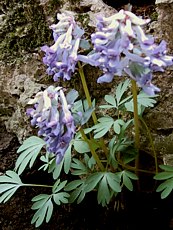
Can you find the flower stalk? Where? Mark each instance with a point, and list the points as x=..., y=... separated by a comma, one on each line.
x=136, y=121
x=94, y=154
x=87, y=94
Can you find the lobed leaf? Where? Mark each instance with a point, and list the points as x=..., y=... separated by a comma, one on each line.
x=73, y=185
x=113, y=181
x=165, y=188
x=9, y=183
x=103, y=195
x=103, y=127
x=163, y=175
x=120, y=90
x=58, y=186
x=127, y=182
x=29, y=151
x=111, y=100
x=92, y=181
x=167, y=168
x=61, y=197
x=45, y=210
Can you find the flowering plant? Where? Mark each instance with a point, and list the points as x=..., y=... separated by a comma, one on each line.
x=102, y=152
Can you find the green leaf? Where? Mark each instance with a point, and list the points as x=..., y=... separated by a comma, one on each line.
x=79, y=167
x=103, y=195
x=78, y=186
x=103, y=127
x=66, y=162
x=106, y=106
x=86, y=115
x=45, y=210
x=166, y=192
x=48, y=159
x=77, y=106
x=74, y=195
x=91, y=162
x=92, y=181
x=163, y=175
x=82, y=107
x=71, y=96
x=8, y=194
x=29, y=142
x=40, y=197
x=81, y=196
x=121, y=89
x=10, y=177
x=61, y=197
x=165, y=188
x=9, y=183
x=73, y=185
x=57, y=169
x=111, y=100
x=49, y=211
x=117, y=125
x=131, y=175
x=5, y=187
x=38, y=204
x=81, y=146
x=58, y=186
x=127, y=182
x=29, y=151
x=67, y=159
x=144, y=101
x=113, y=181
x=167, y=168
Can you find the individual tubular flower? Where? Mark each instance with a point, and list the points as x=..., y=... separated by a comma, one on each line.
x=120, y=42
x=51, y=114
x=61, y=57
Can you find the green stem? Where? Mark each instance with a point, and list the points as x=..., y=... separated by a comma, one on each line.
x=87, y=94
x=134, y=168
x=38, y=185
x=136, y=121
x=94, y=154
x=151, y=142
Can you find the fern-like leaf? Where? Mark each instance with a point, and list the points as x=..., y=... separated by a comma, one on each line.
x=28, y=151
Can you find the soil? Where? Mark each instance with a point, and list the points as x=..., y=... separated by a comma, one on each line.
x=137, y=211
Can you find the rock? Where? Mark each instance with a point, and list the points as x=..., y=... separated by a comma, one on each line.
x=165, y=18
x=163, y=1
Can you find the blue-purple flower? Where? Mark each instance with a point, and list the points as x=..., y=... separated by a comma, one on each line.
x=119, y=43
x=52, y=115
x=61, y=57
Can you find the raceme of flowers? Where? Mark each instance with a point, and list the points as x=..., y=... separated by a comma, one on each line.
x=121, y=46
x=51, y=114
x=61, y=57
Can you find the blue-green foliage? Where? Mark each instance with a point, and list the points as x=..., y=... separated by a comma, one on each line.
x=78, y=160
x=9, y=183
x=29, y=152
x=165, y=187
x=43, y=203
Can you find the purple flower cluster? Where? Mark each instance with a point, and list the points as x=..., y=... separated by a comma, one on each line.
x=61, y=57
x=51, y=114
x=120, y=43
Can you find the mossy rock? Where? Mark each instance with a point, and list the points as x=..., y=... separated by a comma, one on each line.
x=23, y=27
